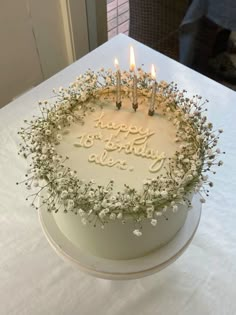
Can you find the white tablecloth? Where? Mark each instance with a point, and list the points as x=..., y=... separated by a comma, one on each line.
x=34, y=280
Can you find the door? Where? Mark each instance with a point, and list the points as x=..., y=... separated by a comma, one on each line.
x=39, y=38
x=33, y=44
x=19, y=61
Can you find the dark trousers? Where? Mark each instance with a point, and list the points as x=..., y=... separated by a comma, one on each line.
x=199, y=41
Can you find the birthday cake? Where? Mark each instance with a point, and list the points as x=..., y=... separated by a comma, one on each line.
x=119, y=164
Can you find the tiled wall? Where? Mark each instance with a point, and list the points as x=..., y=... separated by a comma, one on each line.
x=117, y=17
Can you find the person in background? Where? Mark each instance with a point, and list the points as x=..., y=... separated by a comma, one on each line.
x=205, y=37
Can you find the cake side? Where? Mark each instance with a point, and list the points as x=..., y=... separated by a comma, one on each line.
x=115, y=240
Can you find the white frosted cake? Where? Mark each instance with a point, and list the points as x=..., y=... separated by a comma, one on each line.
x=130, y=148
x=120, y=181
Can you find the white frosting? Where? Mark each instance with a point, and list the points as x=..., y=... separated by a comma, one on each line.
x=116, y=240
x=128, y=147
x=116, y=143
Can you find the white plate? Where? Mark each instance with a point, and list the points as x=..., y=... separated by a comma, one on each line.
x=122, y=269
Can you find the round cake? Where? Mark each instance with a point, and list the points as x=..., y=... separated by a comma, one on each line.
x=120, y=169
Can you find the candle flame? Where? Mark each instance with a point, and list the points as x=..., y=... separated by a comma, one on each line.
x=132, y=59
x=116, y=63
x=153, y=72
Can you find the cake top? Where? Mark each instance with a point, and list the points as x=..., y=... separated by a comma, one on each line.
x=122, y=145
x=105, y=119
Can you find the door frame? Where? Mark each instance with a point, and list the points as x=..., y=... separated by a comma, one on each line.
x=85, y=26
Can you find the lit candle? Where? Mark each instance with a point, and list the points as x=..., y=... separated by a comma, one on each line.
x=132, y=69
x=118, y=78
x=153, y=96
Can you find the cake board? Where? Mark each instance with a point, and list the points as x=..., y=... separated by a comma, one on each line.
x=122, y=269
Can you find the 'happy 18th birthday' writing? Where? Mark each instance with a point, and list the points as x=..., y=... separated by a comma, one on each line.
x=134, y=141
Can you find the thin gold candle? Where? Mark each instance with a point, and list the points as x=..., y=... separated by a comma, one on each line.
x=153, y=96
x=135, y=80
x=118, y=87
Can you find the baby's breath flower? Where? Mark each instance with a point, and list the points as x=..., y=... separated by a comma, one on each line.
x=36, y=183
x=165, y=208
x=70, y=118
x=154, y=222
x=44, y=150
x=70, y=203
x=164, y=194
x=137, y=232
x=136, y=208
x=189, y=177
x=112, y=198
x=118, y=204
x=81, y=212
x=64, y=194
x=59, y=137
x=96, y=207
x=102, y=214
x=91, y=194
x=84, y=221
x=104, y=203
x=119, y=215
x=112, y=216
x=175, y=208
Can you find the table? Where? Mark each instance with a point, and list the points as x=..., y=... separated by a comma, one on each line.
x=34, y=280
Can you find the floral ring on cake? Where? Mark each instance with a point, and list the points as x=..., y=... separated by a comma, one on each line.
x=97, y=204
